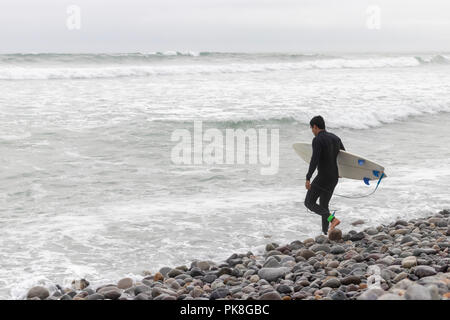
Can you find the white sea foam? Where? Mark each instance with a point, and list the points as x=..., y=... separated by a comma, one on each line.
x=11, y=71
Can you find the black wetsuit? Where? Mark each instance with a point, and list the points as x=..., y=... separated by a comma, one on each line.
x=326, y=147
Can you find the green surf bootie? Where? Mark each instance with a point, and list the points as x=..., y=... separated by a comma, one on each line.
x=331, y=217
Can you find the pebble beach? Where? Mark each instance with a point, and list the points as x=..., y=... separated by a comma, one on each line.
x=94, y=136
x=402, y=260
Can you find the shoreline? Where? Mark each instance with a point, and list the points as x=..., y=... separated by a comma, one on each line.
x=401, y=260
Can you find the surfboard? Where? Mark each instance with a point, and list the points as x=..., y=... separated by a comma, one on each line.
x=351, y=166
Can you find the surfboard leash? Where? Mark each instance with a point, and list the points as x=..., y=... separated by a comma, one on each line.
x=352, y=197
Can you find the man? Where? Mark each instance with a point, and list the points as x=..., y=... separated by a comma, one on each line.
x=326, y=147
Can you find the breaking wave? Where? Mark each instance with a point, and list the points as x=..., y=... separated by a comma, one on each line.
x=91, y=66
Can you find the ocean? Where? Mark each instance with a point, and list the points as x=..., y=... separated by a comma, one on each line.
x=88, y=188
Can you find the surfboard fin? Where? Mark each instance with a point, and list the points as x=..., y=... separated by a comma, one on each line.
x=366, y=180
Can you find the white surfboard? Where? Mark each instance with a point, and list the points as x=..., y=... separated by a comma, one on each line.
x=351, y=166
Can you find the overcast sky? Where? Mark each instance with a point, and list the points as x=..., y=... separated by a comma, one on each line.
x=225, y=25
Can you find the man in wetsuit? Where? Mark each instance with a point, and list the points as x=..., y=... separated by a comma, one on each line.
x=326, y=147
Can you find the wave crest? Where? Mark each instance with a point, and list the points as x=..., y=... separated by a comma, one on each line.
x=437, y=59
x=42, y=67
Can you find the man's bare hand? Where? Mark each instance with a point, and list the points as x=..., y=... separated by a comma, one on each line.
x=307, y=185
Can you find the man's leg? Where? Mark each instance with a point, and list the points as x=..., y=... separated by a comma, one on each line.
x=324, y=201
x=310, y=202
x=311, y=198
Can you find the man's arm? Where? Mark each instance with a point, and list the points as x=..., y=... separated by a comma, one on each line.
x=314, y=159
